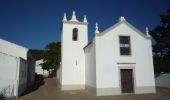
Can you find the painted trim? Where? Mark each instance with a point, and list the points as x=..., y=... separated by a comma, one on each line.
x=73, y=22
x=127, y=66
x=137, y=89
x=145, y=89
x=130, y=37
x=119, y=23
x=14, y=44
x=125, y=63
x=108, y=91
x=77, y=34
x=73, y=87
x=117, y=90
x=9, y=55
x=103, y=91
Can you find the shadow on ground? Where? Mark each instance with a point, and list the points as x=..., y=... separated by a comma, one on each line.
x=39, y=81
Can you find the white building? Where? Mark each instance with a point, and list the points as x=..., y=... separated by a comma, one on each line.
x=117, y=61
x=163, y=80
x=17, y=69
x=39, y=70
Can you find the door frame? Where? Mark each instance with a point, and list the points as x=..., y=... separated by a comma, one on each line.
x=127, y=66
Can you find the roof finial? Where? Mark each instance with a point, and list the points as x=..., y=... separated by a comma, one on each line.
x=85, y=19
x=74, y=17
x=147, y=32
x=121, y=19
x=97, y=28
x=64, y=18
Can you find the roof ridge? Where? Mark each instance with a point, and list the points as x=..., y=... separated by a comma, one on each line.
x=128, y=24
x=14, y=44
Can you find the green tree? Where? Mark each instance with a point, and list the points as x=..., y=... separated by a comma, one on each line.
x=52, y=56
x=37, y=54
x=161, y=48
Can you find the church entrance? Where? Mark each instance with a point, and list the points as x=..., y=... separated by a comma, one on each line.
x=127, y=80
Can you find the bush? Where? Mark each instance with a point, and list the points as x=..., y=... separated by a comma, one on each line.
x=161, y=64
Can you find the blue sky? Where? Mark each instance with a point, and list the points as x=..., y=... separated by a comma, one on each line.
x=35, y=23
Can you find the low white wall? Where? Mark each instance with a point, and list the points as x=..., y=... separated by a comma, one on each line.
x=163, y=80
x=90, y=69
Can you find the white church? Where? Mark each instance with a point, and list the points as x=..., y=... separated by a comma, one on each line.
x=117, y=61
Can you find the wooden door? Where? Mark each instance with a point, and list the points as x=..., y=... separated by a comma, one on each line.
x=127, y=80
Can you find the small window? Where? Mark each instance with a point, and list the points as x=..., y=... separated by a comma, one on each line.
x=75, y=34
x=125, y=45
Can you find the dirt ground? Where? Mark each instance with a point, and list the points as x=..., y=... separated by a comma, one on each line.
x=50, y=91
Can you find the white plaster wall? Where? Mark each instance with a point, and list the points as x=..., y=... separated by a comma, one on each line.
x=163, y=80
x=90, y=59
x=11, y=69
x=23, y=68
x=11, y=85
x=59, y=74
x=13, y=49
x=11, y=52
x=8, y=67
x=108, y=55
x=73, y=74
x=38, y=68
x=23, y=71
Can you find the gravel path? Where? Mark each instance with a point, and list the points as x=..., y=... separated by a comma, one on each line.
x=50, y=91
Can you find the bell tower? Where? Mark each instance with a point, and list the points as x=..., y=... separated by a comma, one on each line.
x=74, y=38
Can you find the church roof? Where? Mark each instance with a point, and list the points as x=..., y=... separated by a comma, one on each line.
x=121, y=21
x=13, y=49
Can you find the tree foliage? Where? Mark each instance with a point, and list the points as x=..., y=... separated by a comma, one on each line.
x=161, y=35
x=37, y=54
x=161, y=48
x=52, y=56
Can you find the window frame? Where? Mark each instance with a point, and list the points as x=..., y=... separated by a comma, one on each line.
x=130, y=47
x=75, y=34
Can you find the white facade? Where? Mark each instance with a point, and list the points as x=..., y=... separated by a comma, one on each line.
x=16, y=67
x=98, y=68
x=13, y=74
x=109, y=61
x=39, y=70
x=90, y=69
x=73, y=57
